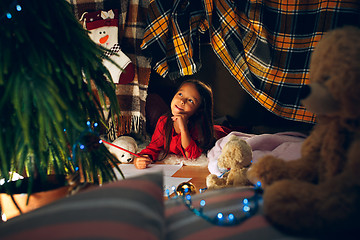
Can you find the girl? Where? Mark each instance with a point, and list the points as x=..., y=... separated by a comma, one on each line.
x=187, y=129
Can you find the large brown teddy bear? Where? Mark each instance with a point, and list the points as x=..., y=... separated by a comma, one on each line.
x=320, y=192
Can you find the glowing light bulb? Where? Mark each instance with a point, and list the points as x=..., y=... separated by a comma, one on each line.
x=82, y=146
x=245, y=201
x=202, y=203
x=231, y=217
x=18, y=8
x=188, y=197
x=258, y=184
x=88, y=123
x=3, y=217
x=100, y=141
x=246, y=208
x=96, y=124
x=8, y=15
x=220, y=216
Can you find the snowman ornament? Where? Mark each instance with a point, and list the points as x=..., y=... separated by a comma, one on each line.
x=103, y=30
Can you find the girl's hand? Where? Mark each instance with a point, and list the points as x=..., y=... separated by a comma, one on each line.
x=181, y=121
x=142, y=162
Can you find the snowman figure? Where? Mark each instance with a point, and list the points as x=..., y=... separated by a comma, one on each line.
x=103, y=30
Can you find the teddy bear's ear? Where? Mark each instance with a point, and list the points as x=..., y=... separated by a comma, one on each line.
x=335, y=64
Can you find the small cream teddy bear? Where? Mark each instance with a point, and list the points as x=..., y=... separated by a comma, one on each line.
x=127, y=143
x=236, y=156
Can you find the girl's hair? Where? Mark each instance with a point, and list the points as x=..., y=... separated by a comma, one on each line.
x=202, y=119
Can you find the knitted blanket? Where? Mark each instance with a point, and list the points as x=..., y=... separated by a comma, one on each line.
x=131, y=96
x=265, y=45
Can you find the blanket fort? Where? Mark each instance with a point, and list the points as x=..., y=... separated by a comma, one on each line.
x=265, y=45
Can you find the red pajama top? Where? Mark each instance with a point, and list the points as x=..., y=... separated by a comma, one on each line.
x=157, y=143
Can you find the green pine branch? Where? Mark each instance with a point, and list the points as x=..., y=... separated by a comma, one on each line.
x=47, y=62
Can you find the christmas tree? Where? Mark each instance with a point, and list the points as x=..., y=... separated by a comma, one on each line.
x=49, y=111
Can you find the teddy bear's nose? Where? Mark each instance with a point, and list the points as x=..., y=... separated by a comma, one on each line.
x=305, y=91
x=128, y=160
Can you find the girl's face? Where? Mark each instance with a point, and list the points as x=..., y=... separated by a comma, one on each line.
x=186, y=101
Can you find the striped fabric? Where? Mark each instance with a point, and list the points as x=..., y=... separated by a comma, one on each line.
x=127, y=209
x=265, y=45
x=131, y=96
x=183, y=224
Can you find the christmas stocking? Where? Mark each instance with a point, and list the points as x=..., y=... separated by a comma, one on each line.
x=103, y=27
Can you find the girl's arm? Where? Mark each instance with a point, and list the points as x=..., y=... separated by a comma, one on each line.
x=187, y=143
x=157, y=142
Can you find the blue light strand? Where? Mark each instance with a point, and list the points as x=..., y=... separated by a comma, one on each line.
x=80, y=145
x=249, y=208
x=13, y=7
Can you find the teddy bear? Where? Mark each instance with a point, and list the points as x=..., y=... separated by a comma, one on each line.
x=127, y=143
x=236, y=156
x=319, y=193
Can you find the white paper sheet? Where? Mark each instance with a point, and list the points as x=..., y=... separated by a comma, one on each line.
x=129, y=170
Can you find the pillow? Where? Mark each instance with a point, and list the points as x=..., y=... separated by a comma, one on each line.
x=181, y=223
x=129, y=209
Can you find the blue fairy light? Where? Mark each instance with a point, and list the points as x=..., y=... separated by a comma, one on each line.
x=258, y=184
x=96, y=124
x=88, y=123
x=201, y=190
x=100, y=141
x=82, y=146
x=10, y=11
x=246, y=208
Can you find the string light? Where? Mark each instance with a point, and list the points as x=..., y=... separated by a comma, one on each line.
x=80, y=145
x=13, y=7
x=249, y=207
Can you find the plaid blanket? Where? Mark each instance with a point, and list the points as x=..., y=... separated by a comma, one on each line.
x=132, y=96
x=265, y=45
x=172, y=36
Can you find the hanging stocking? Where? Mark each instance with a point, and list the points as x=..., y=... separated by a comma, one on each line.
x=103, y=28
